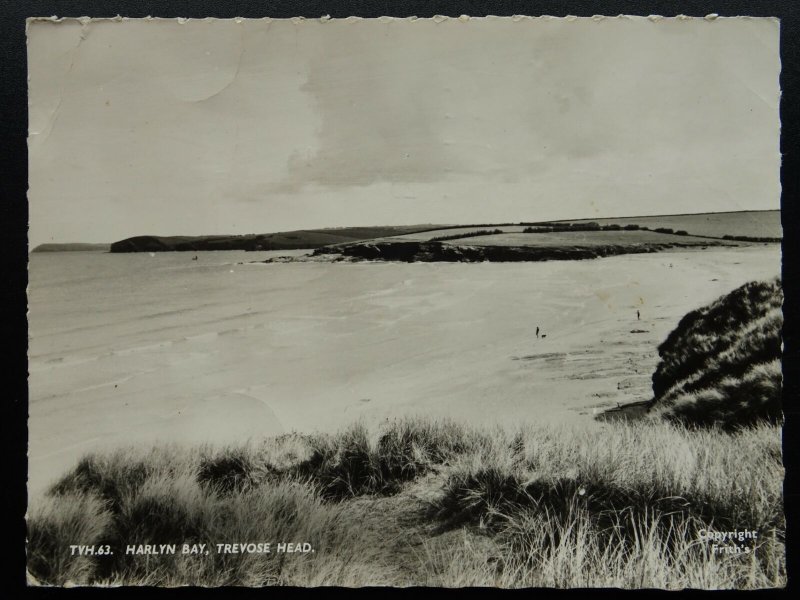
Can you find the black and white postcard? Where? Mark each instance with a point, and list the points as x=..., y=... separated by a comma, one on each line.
x=443, y=302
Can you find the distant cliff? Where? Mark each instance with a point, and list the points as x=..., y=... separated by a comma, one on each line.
x=72, y=248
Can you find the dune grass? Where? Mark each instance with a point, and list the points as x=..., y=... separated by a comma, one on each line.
x=426, y=502
x=721, y=365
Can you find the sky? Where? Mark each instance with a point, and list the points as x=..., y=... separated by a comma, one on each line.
x=198, y=127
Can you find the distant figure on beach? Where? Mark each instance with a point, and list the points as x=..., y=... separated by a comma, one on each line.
x=537, y=332
x=194, y=257
x=544, y=335
x=638, y=316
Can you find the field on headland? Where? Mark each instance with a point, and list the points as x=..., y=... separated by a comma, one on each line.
x=752, y=223
x=582, y=238
x=758, y=224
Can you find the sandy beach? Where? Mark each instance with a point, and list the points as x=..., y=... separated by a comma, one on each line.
x=138, y=348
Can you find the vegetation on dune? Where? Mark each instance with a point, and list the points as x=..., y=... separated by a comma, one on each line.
x=722, y=363
x=430, y=503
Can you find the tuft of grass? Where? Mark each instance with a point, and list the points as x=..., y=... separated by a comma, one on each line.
x=353, y=462
x=54, y=524
x=230, y=471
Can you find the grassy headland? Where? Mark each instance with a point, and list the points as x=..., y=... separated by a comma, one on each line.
x=287, y=240
x=750, y=226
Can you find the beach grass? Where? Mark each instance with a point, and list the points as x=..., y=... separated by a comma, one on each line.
x=418, y=501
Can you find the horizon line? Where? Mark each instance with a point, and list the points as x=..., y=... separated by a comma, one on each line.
x=443, y=225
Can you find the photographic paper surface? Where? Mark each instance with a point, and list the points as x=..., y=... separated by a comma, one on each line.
x=405, y=302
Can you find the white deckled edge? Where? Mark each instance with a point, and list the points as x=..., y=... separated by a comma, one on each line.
x=85, y=20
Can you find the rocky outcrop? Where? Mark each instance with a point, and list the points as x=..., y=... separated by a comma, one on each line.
x=432, y=251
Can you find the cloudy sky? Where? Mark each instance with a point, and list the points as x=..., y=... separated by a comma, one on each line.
x=166, y=128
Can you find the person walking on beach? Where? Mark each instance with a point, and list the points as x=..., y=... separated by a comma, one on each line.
x=537, y=331
x=638, y=316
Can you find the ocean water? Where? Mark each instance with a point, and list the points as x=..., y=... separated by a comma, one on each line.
x=139, y=348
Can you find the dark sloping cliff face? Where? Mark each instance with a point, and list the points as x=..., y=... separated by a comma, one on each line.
x=722, y=363
x=152, y=243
